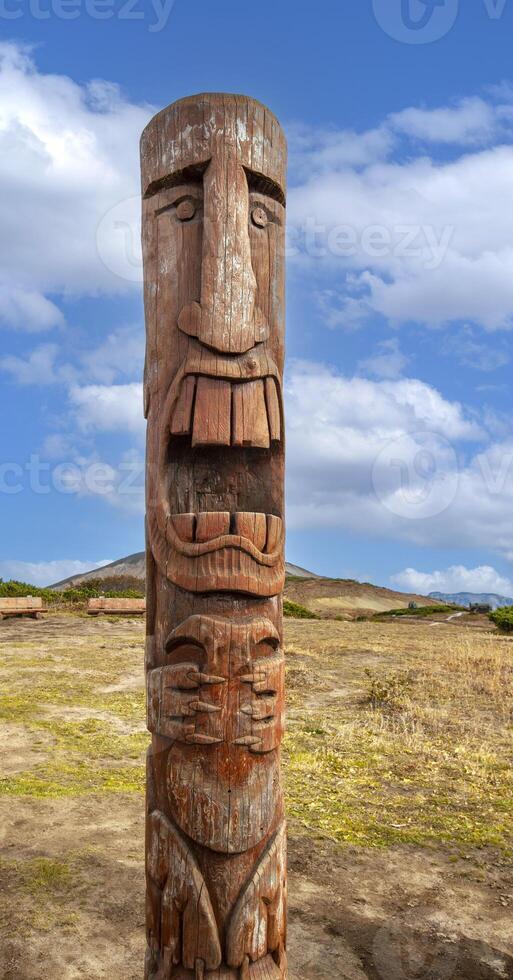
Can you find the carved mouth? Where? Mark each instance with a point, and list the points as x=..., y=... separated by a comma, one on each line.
x=237, y=410
x=219, y=412
x=259, y=534
x=215, y=498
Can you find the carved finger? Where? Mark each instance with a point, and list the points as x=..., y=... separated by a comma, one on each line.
x=197, y=739
x=260, y=710
x=181, y=677
x=257, y=677
x=209, y=679
x=248, y=740
x=203, y=706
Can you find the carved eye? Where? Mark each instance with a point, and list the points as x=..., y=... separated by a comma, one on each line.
x=186, y=210
x=259, y=217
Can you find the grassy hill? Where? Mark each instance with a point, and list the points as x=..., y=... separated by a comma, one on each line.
x=333, y=598
x=325, y=598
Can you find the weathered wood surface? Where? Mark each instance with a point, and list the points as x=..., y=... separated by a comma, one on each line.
x=213, y=184
x=21, y=606
x=132, y=607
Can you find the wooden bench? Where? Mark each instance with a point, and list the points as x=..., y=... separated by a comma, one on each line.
x=120, y=607
x=22, y=606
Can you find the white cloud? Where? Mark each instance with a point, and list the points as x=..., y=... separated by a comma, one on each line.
x=38, y=368
x=109, y=408
x=56, y=445
x=468, y=350
x=388, y=459
x=472, y=120
x=121, y=353
x=319, y=150
x=68, y=154
x=119, y=482
x=388, y=361
x=330, y=400
x=411, y=236
x=47, y=572
x=457, y=578
x=27, y=310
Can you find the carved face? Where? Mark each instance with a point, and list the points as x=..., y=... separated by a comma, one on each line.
x=213, y=242
x=221, y=700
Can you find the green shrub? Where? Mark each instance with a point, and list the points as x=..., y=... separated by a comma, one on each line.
x=296, y=611
x=127, y=586
x=92, y=589
x=503, y=619
x=420, y=611
x=14, y=589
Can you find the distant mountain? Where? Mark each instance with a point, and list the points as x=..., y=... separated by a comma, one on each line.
x=469, y=598
x=134, y=566
x=298, y=572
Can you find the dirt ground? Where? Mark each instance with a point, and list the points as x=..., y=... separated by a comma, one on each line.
x=400, y=838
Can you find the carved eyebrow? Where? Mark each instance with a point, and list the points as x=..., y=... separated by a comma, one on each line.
x=194, y=174
x=264, y=185
x=189, y=175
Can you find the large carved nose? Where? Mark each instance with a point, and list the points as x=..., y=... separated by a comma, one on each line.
x=227, y=318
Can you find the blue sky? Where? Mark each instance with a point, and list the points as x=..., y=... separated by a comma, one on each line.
x=400, y=274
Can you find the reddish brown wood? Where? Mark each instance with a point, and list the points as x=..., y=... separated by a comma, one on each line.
x=21, y=606
x=212, y=413
x=213, y=182
x=127, y=607
x=250, y=422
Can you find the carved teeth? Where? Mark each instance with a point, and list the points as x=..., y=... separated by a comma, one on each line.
x=253, y=527
x=250, y=422
x=274, y=532
x=212, y=411
x=184, y=525
x=212, y=525
x=182, y=416
x=273, y=409
x=217, y=412
x=263, y=530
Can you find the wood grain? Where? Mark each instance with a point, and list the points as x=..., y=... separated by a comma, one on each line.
x=250, y=422
x=21, y=606
x=213, y=184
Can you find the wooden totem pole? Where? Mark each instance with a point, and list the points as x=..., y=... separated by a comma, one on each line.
x=213, y=184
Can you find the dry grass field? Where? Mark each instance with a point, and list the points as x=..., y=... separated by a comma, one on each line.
x=399, y=781
x=332, y=598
